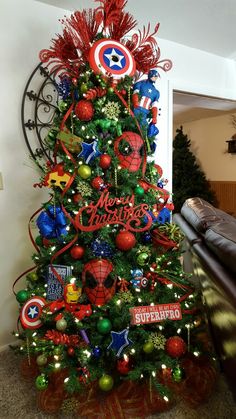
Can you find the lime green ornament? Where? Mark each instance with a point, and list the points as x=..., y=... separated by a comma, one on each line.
x=139, y=191
x=142, y=258
x=61, y=324
x=62, y=106
x=22, y=296
x=104, y=326
x=178, y=374
x=84, y=171
x=106, y=382
x=83, y=88
x=41, y=360
x=32, y=276
x=148, y=347
x=110, y=90
x=41, y=382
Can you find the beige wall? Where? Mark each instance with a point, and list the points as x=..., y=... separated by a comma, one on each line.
x=208, y=143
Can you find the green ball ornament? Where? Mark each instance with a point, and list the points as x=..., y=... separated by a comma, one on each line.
x=62, y=106
x=61, y=324
x=110, y=90
x=22, y=296
x=41, y=382
x=32, y=276
x=41, y=360
x=106, y=382
x=139, y=191
x=84, y=171
x=58, y=350
x=104, y=326
x=39, y=241
x=148, y=347
x=178, y=374
x=142, y=259
x=83, y=88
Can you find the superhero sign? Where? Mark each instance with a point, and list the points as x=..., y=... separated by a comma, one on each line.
x=110, y=57
x=31, y=312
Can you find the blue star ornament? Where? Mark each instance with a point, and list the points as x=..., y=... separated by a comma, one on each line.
x=119, y=341
x=89, y=151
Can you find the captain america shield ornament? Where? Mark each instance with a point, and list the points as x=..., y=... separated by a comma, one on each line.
x=31, y=312
x=110, y=57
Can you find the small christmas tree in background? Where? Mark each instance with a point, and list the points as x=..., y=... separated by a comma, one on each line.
x=110, y=324
x=188, y=179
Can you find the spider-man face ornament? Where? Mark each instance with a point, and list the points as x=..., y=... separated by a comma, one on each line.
x=129, y=150
x=97, y=281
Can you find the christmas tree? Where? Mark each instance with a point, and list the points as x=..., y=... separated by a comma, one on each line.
x=185, y=167
x=109, y=322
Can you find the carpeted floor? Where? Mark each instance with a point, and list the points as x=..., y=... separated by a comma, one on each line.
x=18, y=398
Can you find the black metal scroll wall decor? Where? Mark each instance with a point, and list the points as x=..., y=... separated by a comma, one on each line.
x=232, y=144
x=39, y=104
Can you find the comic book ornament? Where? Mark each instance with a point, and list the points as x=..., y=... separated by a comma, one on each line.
x=97, y=281
x=110, y=57
x=31, y=312
x=129, y=149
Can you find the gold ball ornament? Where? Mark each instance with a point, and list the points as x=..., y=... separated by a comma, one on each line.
x=106, y=382
x=84, y=171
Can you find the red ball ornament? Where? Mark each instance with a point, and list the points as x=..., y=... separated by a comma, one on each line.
x=77, y=252
x=97, y=183
x=125, y=240
x=105, y=161
x=84, y=110
x=123, y=366
x=46, y=242
x=175, y=346
x=71, y=351
x=77, y=197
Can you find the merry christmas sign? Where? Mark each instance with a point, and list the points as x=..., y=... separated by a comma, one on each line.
x=155, y=314
x=109, y=210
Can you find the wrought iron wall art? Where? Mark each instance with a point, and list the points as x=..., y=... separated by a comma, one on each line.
x=39, y=104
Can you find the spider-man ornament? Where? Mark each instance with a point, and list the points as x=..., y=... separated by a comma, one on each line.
x=129, y=149
x=98, y=284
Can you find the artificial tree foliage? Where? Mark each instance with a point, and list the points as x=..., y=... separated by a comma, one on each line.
x=107, y=305
x=188, y=178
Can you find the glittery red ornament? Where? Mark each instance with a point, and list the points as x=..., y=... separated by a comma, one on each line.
x=98, y=183
x=46, y=242
x=77, y=252
x=105, y=161
x=123, y=366
x=125, y=240
x=84, y=110
x=175, y=346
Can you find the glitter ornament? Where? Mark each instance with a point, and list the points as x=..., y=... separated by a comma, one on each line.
x=101, y=249
x=84, y=189
x=178, y=374
x=112, y=110
x=41, y=382
x=84, y=110
x=175, y=346
x=41, y=360
x=158, y=340
x=22, y=296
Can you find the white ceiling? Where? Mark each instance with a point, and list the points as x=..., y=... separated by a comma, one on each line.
x=209, y=25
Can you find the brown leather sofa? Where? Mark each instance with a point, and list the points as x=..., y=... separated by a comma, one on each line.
x=210, y=254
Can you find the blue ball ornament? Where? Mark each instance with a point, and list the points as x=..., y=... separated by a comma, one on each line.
x=146, y=237
x=96, y=352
